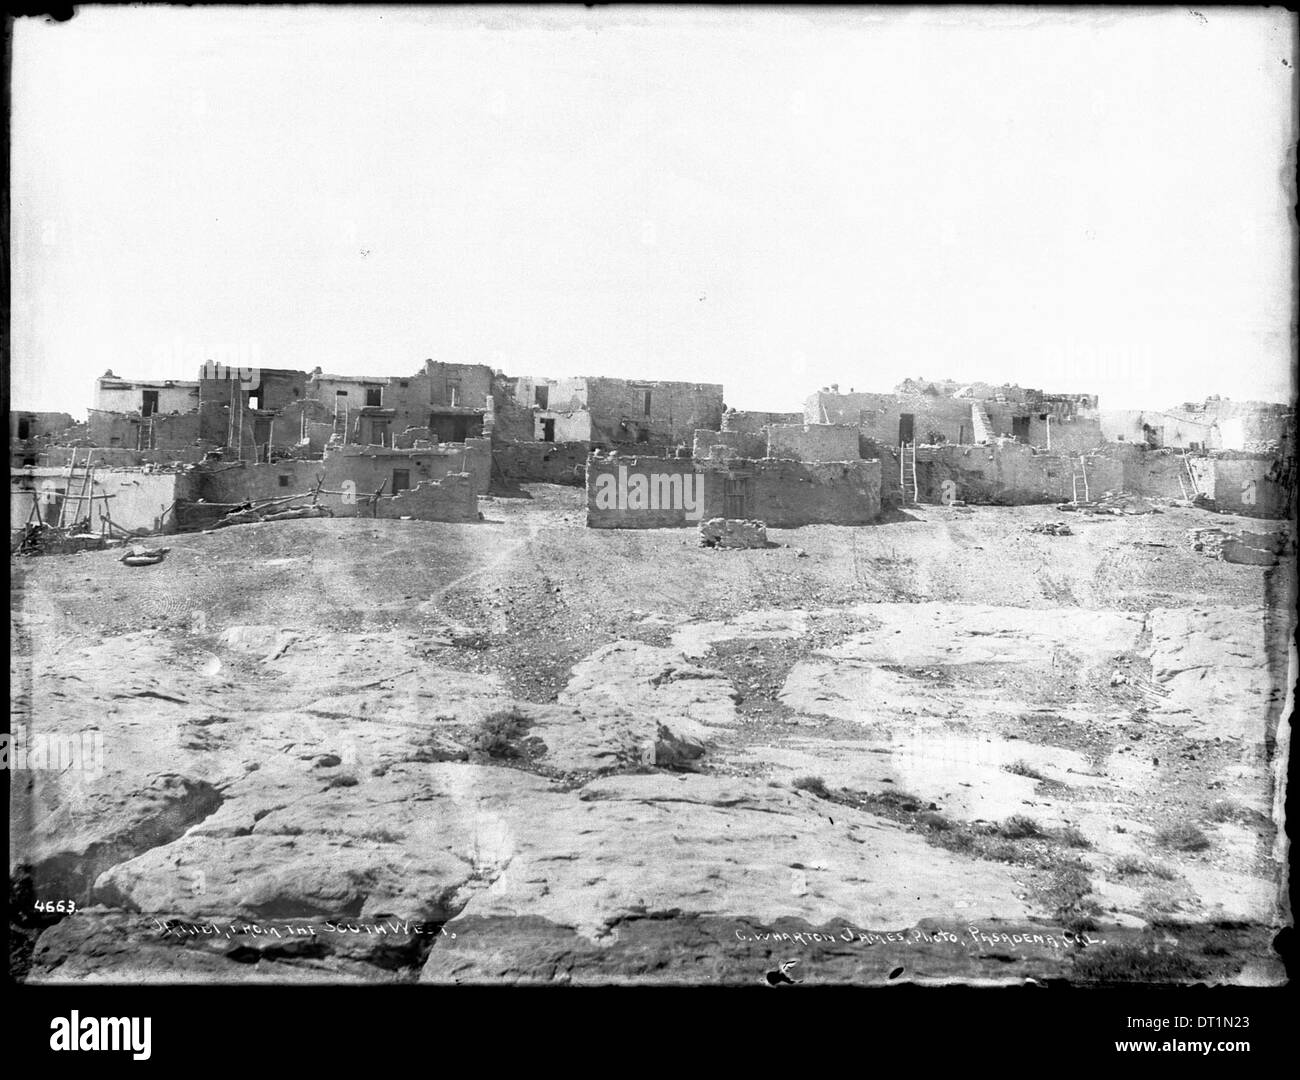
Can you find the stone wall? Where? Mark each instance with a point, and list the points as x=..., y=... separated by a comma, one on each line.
x=813, y=442
x=640, y=492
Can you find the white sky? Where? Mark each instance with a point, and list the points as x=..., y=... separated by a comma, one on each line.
x=771, y=199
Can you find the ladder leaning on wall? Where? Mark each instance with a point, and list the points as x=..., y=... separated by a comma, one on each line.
x=907, y=472
x=81, y=481
x=1080, y=479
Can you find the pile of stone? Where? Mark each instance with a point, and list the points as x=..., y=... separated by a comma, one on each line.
x=733, y=533
x=1051, y=528
x=1248, y=548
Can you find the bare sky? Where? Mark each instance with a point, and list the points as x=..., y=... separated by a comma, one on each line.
x=772, y=199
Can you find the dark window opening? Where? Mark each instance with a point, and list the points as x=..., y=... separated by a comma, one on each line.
x=29, y=461
x=906, y=427
x=401, y=480
x=340, y=393
x=1020, y=428
x=24, y=428
x=453, y=392
x=541, y=396
x=149, y=402
x=647, y=403
x=255, y=399
x=643, y=434
x=548, y=431
x=374, y=395
x=284, y=481
x=379, y=433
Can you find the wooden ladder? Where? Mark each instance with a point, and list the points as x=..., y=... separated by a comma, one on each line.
x=81, y=480
x=1191, y=476
x=1080, y=478
x=907, y=472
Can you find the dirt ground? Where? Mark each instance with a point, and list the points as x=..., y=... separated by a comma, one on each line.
x=945, y=744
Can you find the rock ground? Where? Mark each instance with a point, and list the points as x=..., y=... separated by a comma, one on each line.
x=527, y=751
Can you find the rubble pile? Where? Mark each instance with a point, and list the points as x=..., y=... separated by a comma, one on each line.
x=1248, y=548
x=1051, y=528
x=1113, y=502
x=733, y=533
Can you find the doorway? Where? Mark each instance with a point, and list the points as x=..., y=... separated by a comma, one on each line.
x=148, y=402
x=736, y=497
x=548, y=431
x=907, y=428
x=1020, y=428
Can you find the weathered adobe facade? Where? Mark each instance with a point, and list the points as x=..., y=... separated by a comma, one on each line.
x=634, y=492
x=1215, y=424
x=929, y=414
x=604, y=412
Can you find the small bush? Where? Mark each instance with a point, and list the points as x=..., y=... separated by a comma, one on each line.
x=1072, y=837
x=497, y=734
x=1019, y=827
x=1022, y=768
x=1183, y=837
x=901, y=800
x=955, y=840
x=1129, y=866
x=934, y=822
x=814, y=785
x=342, y=781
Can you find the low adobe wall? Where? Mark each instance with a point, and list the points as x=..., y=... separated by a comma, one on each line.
x=813, y=442
x=541, y=462
x=729, y=444
x=648, y=493
x=1010, y=474
x=1253, y=485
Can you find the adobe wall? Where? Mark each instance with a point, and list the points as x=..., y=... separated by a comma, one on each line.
x=1077, y=431
x=1253, y=485
x=813, y=442
x=170, y=431
x=450, y=499
x=38, y=425
x=783, y=494
x=1010, y=474
x=127, y=396
x=677, y=410
x=728, y=444
x=877, y=415
x=364, y=467
x=542, y=462
x=140, y=500
x=756, y=423
x=121, y=457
